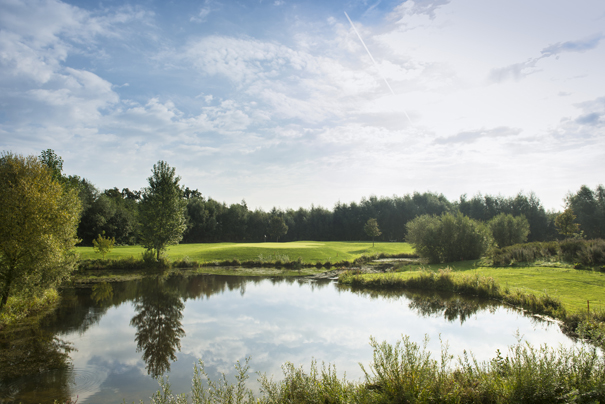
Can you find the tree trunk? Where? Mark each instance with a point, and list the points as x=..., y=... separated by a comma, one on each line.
x=6, y=290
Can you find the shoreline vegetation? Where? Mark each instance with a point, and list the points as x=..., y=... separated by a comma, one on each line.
x=406, y=372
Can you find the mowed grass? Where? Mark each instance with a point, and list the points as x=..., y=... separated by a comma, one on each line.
x=309, y=251
x=573, y=286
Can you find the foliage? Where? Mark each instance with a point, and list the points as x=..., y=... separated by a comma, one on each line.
x=585, y=252
x=565, y=224
x=508, y=230
x=448, y=237
x=485, y=208
x=103, y=245
x=38, y=222
x=406, y=372
x=277, y=227
x=589, y=206
x=371, y=228
x=162, y=209
x=19, y=307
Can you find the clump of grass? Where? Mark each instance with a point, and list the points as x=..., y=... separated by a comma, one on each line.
x=585, y=252
x=19, y=307
x=185, y=262
x=406, y=372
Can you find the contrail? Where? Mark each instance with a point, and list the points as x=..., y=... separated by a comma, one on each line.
x=373, y=61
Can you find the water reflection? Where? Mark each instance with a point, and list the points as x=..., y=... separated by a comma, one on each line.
x=102, y=293
x=228, y=318
x=159, y=311
x=34, y=365
x=450, y=306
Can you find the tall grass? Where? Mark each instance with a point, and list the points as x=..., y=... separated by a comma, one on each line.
x=19, y=307
x=585, y=252
x=463, y=283
x=407, y=372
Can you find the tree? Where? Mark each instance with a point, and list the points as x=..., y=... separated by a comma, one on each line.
x=38, y=223
x=589, y=208
x=448, y=237
x=103, y=245
x=162, y=209
x=55, y=163
x=277, y=227
x=508, y=230
x=565, y=224
x=371, y=229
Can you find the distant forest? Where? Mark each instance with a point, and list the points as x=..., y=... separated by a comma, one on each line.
x=115, y=212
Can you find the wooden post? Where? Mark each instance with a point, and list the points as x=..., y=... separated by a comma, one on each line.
x=588, y=305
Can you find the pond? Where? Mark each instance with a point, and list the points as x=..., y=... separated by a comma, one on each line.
x=106, y=343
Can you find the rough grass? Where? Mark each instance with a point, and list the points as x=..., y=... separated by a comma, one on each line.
x=18, y=308
x=309, y=251
x=406, y=372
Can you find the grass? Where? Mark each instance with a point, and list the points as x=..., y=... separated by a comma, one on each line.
x=572, y=286
x=406, y=372
x=309, y=251
x=20, y=308
x=89, y=277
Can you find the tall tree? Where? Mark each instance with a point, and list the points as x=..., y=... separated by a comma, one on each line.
x=565, y=222
x=38, y=223
x=162, y=209
x=277, y=227
x=371, y=228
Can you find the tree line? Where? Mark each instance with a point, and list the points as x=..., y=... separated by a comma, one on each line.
x=207, y=220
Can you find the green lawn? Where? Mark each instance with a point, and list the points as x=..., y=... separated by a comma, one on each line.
x=573, y=286
x=310, y=251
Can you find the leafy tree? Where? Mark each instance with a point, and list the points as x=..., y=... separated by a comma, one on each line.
x=277, y=227
x=162, y=209
x=508, y=230
x=565, y=224
x=371, y=229
x=448, y=237
x=103, y=245
x=38, y=222
x=589, y=208
x=55, y=163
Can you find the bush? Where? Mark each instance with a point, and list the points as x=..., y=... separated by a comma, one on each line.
x=584, y=252
x=448, y=237
x=508, y=230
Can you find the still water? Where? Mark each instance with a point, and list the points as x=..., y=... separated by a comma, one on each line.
x=105, y=344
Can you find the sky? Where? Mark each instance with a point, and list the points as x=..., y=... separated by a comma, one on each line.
x=288, y=103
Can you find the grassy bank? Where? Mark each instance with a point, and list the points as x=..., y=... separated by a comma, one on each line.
x=561, y=293
x=407, y=373
x=573, y=287
x=20, y=308
x=308, y=251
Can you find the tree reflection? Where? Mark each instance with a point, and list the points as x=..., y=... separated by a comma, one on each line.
x=34, y=366
x=449, y=305
x=158, y=323
x=102, y=293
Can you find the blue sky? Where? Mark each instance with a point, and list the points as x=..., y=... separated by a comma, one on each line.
x=279, y=103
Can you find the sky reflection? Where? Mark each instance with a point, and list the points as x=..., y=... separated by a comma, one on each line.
x=277, y=321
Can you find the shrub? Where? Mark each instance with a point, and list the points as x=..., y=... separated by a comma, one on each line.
x=508, y=230
x=584, y=252
x=448, y=237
